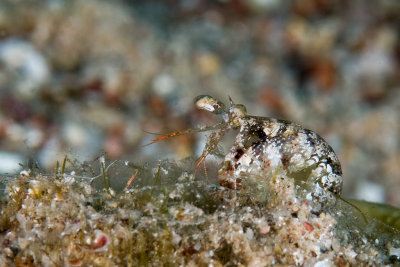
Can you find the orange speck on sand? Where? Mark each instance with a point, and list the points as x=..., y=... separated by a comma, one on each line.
x=308, y=226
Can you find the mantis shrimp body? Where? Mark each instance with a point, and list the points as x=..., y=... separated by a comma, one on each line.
x=266, y=145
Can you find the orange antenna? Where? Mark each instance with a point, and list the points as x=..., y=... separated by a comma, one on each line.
x=177, y=133
x=188, y=131
x=210, y=104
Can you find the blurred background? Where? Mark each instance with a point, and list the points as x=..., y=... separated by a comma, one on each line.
x=84, y=77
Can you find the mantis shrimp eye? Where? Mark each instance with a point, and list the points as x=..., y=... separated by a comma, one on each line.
x=210, y=104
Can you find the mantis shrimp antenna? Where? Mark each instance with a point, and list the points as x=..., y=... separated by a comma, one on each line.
x=210, y=104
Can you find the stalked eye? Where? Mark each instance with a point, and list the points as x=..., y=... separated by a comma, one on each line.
x=239, y=110
x=210, y=104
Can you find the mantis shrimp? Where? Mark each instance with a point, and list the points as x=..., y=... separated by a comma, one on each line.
x=263, y=145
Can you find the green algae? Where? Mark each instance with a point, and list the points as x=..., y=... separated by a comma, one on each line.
x=387, y=214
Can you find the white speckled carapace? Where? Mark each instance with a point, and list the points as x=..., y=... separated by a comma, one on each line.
x=264, y=145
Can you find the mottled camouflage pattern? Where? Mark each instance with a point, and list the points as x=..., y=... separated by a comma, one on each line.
x=266, y=145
